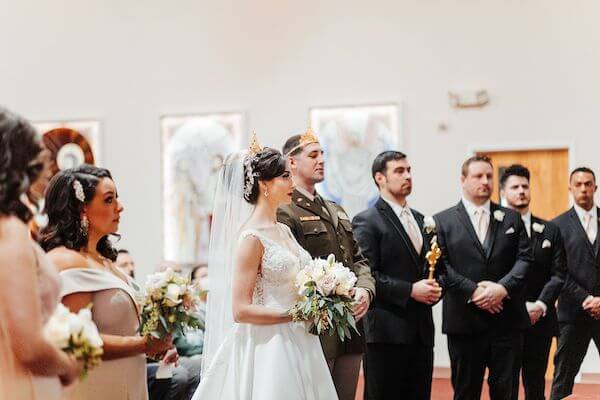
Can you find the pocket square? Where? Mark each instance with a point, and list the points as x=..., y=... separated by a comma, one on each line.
x=546, y=244
x=510, y=230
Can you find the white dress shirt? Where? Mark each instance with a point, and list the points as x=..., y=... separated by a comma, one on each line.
x=472, y=210
x=593, y=228
x=527, y=222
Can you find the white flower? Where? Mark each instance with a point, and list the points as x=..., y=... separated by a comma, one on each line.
x=56, y=329
x=429, y=224
x=172, y=295
x=345, y=279
x=499, y=215
x=539, y=228
x=331, y=259
x=90, y=330
x=326, y=284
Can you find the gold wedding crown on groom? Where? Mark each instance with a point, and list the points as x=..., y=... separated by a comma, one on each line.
x=306, y=138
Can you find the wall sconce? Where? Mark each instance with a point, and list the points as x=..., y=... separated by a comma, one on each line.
x=476, y=99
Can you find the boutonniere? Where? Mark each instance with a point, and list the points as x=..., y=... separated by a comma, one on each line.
x=539, y=228
x=499, y=215
x=429, y=225
x=546, y=244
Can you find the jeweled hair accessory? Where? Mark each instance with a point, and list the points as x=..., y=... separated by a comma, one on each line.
x=306, y=138
x=253, y=150
x=78, y=188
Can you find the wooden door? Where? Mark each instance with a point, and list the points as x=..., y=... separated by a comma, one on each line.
x=549, y=188
x=549, y=177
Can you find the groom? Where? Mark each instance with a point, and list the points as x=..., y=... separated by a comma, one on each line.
x=322, y=228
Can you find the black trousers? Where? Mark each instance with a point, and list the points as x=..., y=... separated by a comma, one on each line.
x=536, y=349
x=573, y=343
x=471, y=354
x=398, y=371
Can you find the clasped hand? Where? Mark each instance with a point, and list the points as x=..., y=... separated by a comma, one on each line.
x=426, y=291
x=489, y=296
x=592, y=306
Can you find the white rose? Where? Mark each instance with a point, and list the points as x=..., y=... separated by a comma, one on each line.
x=301, y=279
x=499, y=215
x=429, y=224
x=317, y=269
x=172, y=295
x=56, y=329
x=91, y=334
x=326, y=284
x=345, y=279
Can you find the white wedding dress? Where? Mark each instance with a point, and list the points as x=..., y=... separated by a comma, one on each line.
x=270, y=362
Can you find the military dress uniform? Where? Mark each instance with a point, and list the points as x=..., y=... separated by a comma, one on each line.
x=322, y=227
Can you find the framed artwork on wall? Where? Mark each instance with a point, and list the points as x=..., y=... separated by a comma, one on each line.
x=351, y=137
x=193, y=150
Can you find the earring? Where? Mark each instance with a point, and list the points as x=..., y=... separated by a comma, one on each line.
x=85, y=224
x=266, y=193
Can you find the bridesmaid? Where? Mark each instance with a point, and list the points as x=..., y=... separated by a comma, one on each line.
x=83, y=212
x=29, y=285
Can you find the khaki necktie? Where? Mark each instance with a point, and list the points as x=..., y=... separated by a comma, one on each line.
x=413, y=231
x=482, y=224
x=587, y=219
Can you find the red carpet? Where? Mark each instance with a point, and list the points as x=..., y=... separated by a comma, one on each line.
x=442, y=390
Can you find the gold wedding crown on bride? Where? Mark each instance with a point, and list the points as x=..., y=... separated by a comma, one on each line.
x=254, y=147
x=306, y=138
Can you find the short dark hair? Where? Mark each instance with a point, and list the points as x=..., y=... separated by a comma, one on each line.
x=380, y=162
x=64, y=210
x=583, y=169
x=20, y=163
x=291, y=143
x=514, y=170
x=478, y=158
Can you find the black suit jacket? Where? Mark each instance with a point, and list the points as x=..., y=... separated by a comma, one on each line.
x=546, y=276
x=394, y=317
x=583, y=269
x=504, y=259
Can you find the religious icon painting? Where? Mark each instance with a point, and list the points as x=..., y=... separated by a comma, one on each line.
x=351, y=138
x=193, y=150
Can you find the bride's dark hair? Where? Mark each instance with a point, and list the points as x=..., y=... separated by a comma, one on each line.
x=267, y=164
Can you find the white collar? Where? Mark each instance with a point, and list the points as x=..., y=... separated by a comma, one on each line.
x=305, y=193
x=581, y=212
x=526, y=218
x=397, y=207
x=471, y=208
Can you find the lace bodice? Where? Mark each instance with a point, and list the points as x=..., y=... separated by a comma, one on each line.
x=275, y=286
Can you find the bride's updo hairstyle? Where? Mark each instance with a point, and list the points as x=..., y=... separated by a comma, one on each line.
x=265, y=165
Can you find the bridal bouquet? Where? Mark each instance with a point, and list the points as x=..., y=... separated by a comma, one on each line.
x=326, y=287
x=168, y=305
x=75, y=334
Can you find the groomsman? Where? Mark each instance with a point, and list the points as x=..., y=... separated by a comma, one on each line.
x=544, y=282
x=486, y=253
x=399, y=327
x=579, y=302
x=322, y=228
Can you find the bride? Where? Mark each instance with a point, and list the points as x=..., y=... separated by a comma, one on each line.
x=253, y=351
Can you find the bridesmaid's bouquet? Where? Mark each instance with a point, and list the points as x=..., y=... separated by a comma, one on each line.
x=326, y=288
x=76, y=334
x=169, y=305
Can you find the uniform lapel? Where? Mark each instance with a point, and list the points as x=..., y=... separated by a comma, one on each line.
x=305, y=203
x=393, y=220
x=463, y=216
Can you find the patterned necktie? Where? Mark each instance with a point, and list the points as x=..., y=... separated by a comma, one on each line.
x=413, y=231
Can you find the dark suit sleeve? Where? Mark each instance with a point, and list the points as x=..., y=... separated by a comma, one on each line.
x=388, y=289
x=514, y=281
x=450, y=280
x=286, y=217
x=553, y=287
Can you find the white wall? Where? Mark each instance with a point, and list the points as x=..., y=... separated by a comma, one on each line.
x=128, y=62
